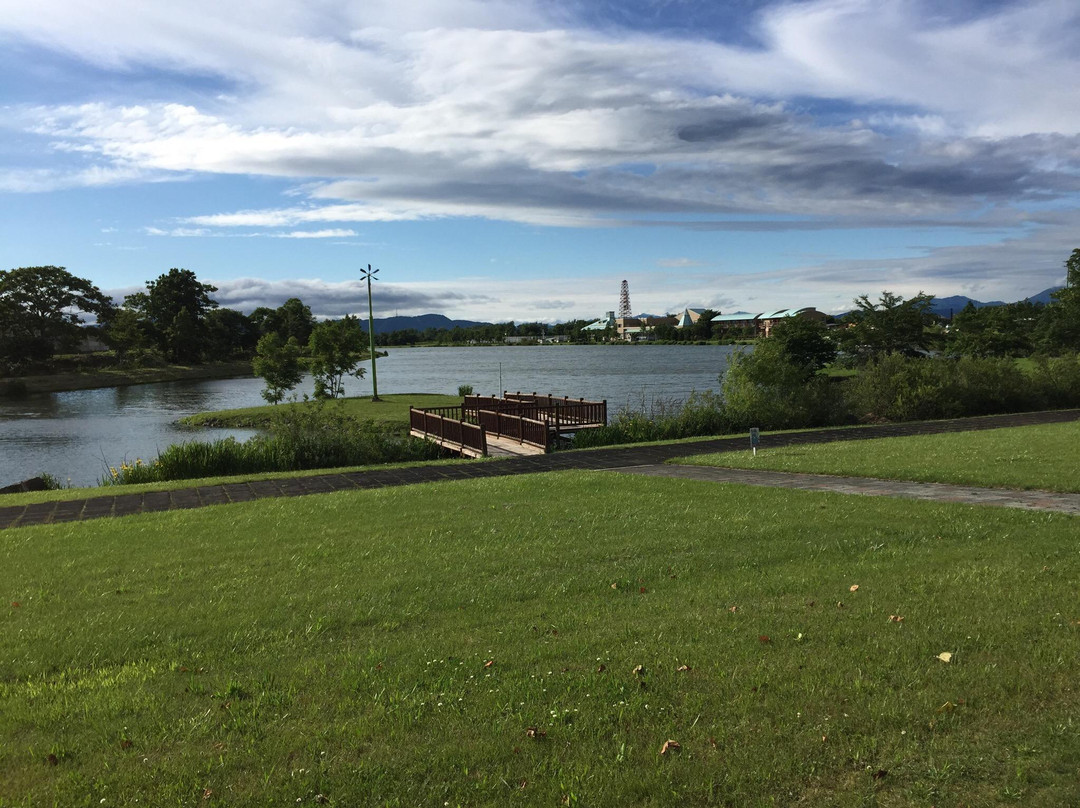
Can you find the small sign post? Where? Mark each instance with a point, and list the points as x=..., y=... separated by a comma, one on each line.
x=755, y=438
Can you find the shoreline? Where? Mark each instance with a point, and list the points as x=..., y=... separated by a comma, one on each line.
x=18, y=386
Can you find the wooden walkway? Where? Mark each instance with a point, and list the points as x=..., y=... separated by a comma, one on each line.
x=514, y=424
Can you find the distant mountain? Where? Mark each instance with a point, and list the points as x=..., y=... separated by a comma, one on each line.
x=947, y=306
x=1044, y=295
x=420, y=322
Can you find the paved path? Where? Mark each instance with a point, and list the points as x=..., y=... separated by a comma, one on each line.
x=123, y=504
x=869, y=486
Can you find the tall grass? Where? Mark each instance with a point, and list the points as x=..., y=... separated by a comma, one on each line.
x=320, y=436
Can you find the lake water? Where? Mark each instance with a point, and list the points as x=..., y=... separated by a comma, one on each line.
x=76, y=435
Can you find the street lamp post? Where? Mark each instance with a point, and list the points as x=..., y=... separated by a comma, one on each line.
x=367, y=275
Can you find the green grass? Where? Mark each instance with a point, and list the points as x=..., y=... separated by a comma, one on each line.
x=1043, y=457
x=270, y=652
x=392, y=408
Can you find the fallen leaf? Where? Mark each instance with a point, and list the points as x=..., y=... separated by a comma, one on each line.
x=51, y=759
x=733, y=609
x=839, y=604
x=945, y=656
x=879, y=774
x=895, y=618
x=712, y=742
x=207, y=793
x=642, y=590
x=322, y=799
x=683, y=668
x=947, y=707
x=15, y=604
x=811, y=603
x=824, y=738
x=640, y=670
x=524, y=783
x=670, y=746
x=853, y=588
x=615, y=586
x=601, y=668
x=764, y=638
x=489, y=663
x=533, y=732
x=126, y=744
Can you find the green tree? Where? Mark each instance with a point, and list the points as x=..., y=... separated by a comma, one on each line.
x=804, y=342
x=1060, y=329
x=40, y=312
x=277, y=361
x=125, y=333
x=182, y=338
x=336, y=348
x=892, y=325
x=1000, y=331
x=229, y=333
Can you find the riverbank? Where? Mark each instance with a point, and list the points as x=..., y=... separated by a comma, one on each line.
x=391, y=408
x=14, y=386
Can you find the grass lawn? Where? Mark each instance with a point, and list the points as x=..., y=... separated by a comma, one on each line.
x=1043, y=457
x=392, y=408
x=479, y=643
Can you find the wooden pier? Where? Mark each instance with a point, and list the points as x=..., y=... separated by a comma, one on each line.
x=515, y=424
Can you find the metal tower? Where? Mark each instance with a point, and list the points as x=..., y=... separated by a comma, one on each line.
x=624, y=300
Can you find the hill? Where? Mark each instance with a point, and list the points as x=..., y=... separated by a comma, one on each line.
x=419, y=322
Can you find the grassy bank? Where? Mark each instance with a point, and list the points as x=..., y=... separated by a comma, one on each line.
x=116, y=377
x=1041, y=457
x=392, y=408
x=479, y=643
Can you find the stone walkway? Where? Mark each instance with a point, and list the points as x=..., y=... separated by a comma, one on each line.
x=639, y=459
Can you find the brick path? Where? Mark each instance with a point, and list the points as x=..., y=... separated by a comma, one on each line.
x=623, y=459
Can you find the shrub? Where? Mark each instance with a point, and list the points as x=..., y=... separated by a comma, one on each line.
x=465, y=390
x=767, y=389
x=302, y=438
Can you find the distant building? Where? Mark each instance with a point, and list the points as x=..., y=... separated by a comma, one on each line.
x=602, y=324
x=762, y=323
x=689, y=317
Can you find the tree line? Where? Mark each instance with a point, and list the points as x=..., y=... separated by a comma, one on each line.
x=43, y=314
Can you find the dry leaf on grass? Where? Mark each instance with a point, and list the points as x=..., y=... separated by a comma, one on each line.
x=683, y=668
x=670, y=746
x=945, y=656
x=895, y=618
x=853, y=588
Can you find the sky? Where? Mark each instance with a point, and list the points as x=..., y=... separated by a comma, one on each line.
x=517, y=159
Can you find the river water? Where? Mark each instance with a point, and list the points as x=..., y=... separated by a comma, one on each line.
x=75, y=436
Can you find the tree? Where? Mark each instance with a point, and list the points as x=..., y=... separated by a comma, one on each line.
x=161, y=305
x=124, y=332
x=40, y=310
x=229, y=333
x=805, y=343
x=278, y=362
x=892, y=325
x=336, y=348
x=1060, y=329
x=995, y=331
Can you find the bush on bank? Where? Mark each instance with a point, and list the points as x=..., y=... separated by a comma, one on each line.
x=768, y=390
x=303, y=438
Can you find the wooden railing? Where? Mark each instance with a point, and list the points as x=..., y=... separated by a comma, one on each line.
x=448, y=425
x=527, y=418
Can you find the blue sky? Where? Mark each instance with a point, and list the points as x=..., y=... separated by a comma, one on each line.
x=506, y=159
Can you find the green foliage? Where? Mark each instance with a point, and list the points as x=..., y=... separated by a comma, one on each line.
x=464, y=390
x=892, y=325
x=701, y=414
x=301, y=438
x=1008, y=330
x=40, y=310
x=804, y=342
x=336, y=348
x=278, y=363
x=291, y=319
x=768, y=388
x=173, y=309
